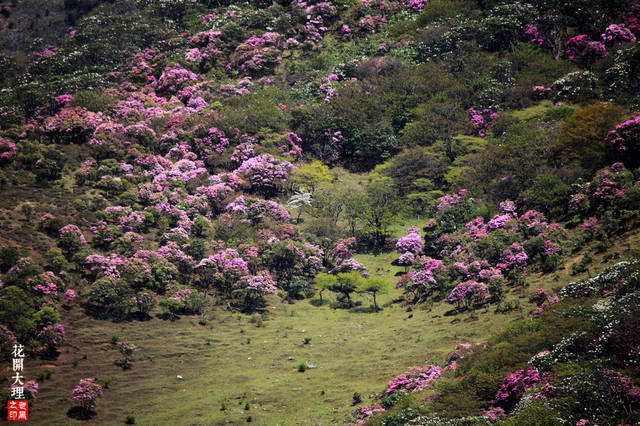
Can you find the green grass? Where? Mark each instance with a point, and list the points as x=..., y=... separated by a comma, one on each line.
x=532, y=112
x=352, y=352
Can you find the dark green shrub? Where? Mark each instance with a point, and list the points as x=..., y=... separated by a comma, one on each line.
x=9, y=255
x=109, y=298
x=549, y=194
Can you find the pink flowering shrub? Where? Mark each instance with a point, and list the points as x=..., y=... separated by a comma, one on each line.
x=584, y=51
x=371, y=24
x=590, y=225
x=406, y=259
x=631, y=19
x=63, y=100
x=243, y=152
x=616, y=34
x=498, y=222
x=540, y=92
x=415, y=379
x=254, y=288
x=539, y=296
x=550, y=248
x=469, y=293
x=215, y=139
x=366, y=412
x=86, y=393
x=257, y=210
x=451, y=200
x=514, y=257
x=291, y=146
x=182, y=295
x=222, y=270
x=549, y=300
x=612, y=188
x=513, y=388
x=626, y=139
x=350, y=264
x=265, y=172
x=414, y=5
x=261, y=283
x=255, y=60
x=427, y=276
x=482, y=119
x=341, y=250
x=532, y=223
x=532, y=35
x=145, y=301
x=51, y=337
x=574, y=46
x=71, y=238
x=462, y=350
x=70, y=294
x=71, y=125
x=412, y=242
x=173, y=78
x=108, y=265
x=47, y=284
x=508, y=207
x=32, y=388
x=7, y=340
x=8, y=150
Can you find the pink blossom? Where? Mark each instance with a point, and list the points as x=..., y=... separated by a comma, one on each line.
x=261, y=283
x=412, y=242
x=532, y=35
x=415, y=379
x=87, y=393
x=63, y=100
x=590, y=225
x=513, y=387
x=469, y=292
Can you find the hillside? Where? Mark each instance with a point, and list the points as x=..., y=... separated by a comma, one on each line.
x=349, y=212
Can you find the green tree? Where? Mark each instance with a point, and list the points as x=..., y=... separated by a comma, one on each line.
x=311, y=176
x=378, y=210
x=353, y=205
x=46, y=316
x=441, y=118
x=327, y=203
x=549, y=194
x=374, y=286
x=581, y=138
x=413, y=164
x=16, y=309
x=323, y=281
x=345, y=284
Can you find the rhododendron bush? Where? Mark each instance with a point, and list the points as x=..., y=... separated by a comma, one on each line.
x=265, y=172
x=415, y=380
x=626, y=139
x=476, y=259
x=87, y=393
